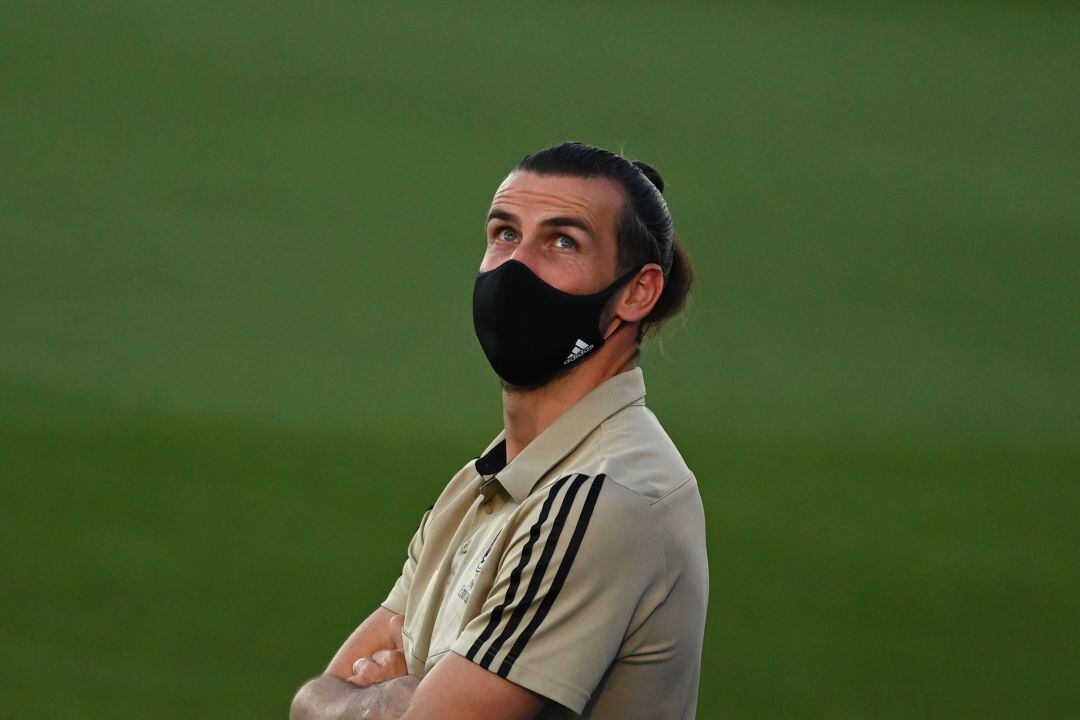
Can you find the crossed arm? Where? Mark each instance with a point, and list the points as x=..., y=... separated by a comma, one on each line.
x=368, y=678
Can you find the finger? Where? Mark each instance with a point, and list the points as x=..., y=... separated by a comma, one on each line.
x=392, y=662
x=393, y=666
x=365, y=672
x=370, y=672
x=379, y=657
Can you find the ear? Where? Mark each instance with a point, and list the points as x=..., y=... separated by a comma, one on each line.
x=636, y=299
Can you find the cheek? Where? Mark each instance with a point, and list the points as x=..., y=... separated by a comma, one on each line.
x=494, y=255
x=574, y=277
x=580, y=277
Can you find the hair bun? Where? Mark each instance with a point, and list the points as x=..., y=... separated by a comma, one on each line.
x=650, y=172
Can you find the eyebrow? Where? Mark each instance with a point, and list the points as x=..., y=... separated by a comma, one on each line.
x=562, y=221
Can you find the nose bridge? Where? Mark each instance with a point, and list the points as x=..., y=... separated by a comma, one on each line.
x=527, y=251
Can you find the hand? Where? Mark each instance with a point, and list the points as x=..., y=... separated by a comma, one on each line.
x=383, y=665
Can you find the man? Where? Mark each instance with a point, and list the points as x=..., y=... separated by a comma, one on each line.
x=563, y=572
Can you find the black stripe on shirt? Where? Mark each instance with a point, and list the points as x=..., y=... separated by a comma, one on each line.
x=560, y=578
x=538, y=573
x=515, y=576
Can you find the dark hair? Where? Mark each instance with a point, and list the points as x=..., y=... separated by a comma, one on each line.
x=646, y=232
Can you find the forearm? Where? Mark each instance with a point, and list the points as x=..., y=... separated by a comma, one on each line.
x=326, y=698
x=330, y=698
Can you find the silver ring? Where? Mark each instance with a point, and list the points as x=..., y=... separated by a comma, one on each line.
x=356, y=664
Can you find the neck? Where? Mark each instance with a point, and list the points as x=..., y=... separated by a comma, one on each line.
x=527, y=413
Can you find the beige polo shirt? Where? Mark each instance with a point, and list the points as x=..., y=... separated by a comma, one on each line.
x=578, y=570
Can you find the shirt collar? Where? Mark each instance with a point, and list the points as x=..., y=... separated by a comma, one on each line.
x=559, y=439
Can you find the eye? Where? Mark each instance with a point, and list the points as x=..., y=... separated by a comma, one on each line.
x=506, y=235
x=566, y=242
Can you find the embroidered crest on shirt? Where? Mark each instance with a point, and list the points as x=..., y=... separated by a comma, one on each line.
x=464, y=593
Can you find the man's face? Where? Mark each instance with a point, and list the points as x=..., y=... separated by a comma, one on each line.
x=563, y=228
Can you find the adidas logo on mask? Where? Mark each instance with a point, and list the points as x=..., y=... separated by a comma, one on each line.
x=580, y=348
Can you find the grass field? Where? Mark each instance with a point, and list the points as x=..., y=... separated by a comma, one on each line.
x=236, y=356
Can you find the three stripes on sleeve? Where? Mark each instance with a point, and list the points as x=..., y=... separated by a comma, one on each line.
x=516, y=619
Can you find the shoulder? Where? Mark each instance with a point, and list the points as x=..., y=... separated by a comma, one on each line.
x=632, y=449
x=653, y=493
x=587, y=497
x=597, y=526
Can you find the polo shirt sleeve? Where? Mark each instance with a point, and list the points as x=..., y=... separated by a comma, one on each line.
x=570, y=587
x=399, y=594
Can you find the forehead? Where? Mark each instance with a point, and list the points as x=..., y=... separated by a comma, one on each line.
x=598, y=200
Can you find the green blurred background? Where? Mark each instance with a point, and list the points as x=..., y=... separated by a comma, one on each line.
x=237, y=361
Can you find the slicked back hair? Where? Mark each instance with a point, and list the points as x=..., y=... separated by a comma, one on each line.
x=645, y=232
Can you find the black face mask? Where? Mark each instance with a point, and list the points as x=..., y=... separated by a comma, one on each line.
x=530, y=330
